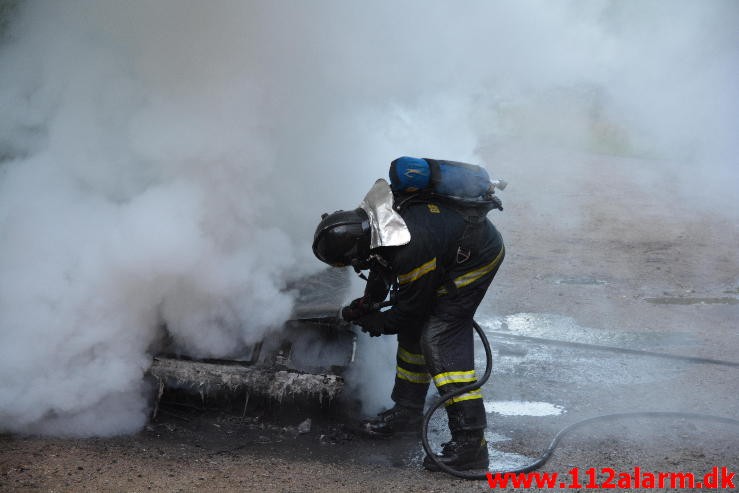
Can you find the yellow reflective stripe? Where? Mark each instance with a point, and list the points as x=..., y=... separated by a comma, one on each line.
x=412, y=358
x=454, y=377
x=412, y=376
x=467, y=396
x=418, y=272
x=473, y=275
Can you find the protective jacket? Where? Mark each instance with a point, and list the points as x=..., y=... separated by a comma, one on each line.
x=447, y=253
x=442, y=275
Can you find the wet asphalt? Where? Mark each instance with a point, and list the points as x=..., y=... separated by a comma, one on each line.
x=540, y=384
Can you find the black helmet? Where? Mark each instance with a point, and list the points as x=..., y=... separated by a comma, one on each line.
x=343, y=238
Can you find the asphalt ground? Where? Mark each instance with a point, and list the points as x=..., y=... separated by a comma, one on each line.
x=662, y=278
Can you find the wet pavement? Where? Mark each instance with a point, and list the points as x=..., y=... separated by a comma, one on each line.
x=538, y=388
x=550, y=370
x=539, y=385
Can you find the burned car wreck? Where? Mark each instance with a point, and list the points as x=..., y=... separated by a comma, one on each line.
x=304, y=360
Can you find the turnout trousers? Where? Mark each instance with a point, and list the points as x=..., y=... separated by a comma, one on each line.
x=442, y=350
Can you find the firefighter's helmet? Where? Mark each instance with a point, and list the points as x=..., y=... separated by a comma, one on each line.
x=343, y=238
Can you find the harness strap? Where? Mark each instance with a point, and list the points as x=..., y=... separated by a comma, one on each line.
x=474, y=214
x=468, y=241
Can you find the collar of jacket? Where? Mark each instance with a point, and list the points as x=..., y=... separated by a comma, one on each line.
x=387, y=226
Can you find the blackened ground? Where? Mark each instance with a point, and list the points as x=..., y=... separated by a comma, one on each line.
x=626, y=268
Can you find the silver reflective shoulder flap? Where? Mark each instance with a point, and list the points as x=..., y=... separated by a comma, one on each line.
x=388, y=227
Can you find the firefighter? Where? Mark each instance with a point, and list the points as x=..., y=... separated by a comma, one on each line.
x=441, y=260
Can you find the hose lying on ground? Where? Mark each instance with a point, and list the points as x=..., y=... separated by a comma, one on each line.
x=546, y=455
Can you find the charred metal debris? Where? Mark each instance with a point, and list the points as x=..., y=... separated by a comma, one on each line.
x=305, y=360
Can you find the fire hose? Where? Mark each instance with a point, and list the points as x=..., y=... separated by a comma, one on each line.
x=547, y=453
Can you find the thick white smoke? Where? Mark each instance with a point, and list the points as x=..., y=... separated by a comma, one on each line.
x=165, y=163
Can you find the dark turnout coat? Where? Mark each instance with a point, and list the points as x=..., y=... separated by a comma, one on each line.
x=444, y=259
x=442, y=275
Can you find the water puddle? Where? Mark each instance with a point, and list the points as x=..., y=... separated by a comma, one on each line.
x=538, y=348
x=561, y=328
x=581, y=281
x=523, y=408
x=507, y=461
x=692, y=301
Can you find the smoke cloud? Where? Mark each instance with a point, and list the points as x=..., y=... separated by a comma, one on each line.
x=164, y=163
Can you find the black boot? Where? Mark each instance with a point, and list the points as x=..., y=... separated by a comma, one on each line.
x=467, y=450
x=396, y=420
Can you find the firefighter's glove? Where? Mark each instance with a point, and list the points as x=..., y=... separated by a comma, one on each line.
x=356, y=310
x=372, y=323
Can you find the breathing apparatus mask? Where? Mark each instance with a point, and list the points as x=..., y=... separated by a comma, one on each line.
x=348, y=237
x=343, y=238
